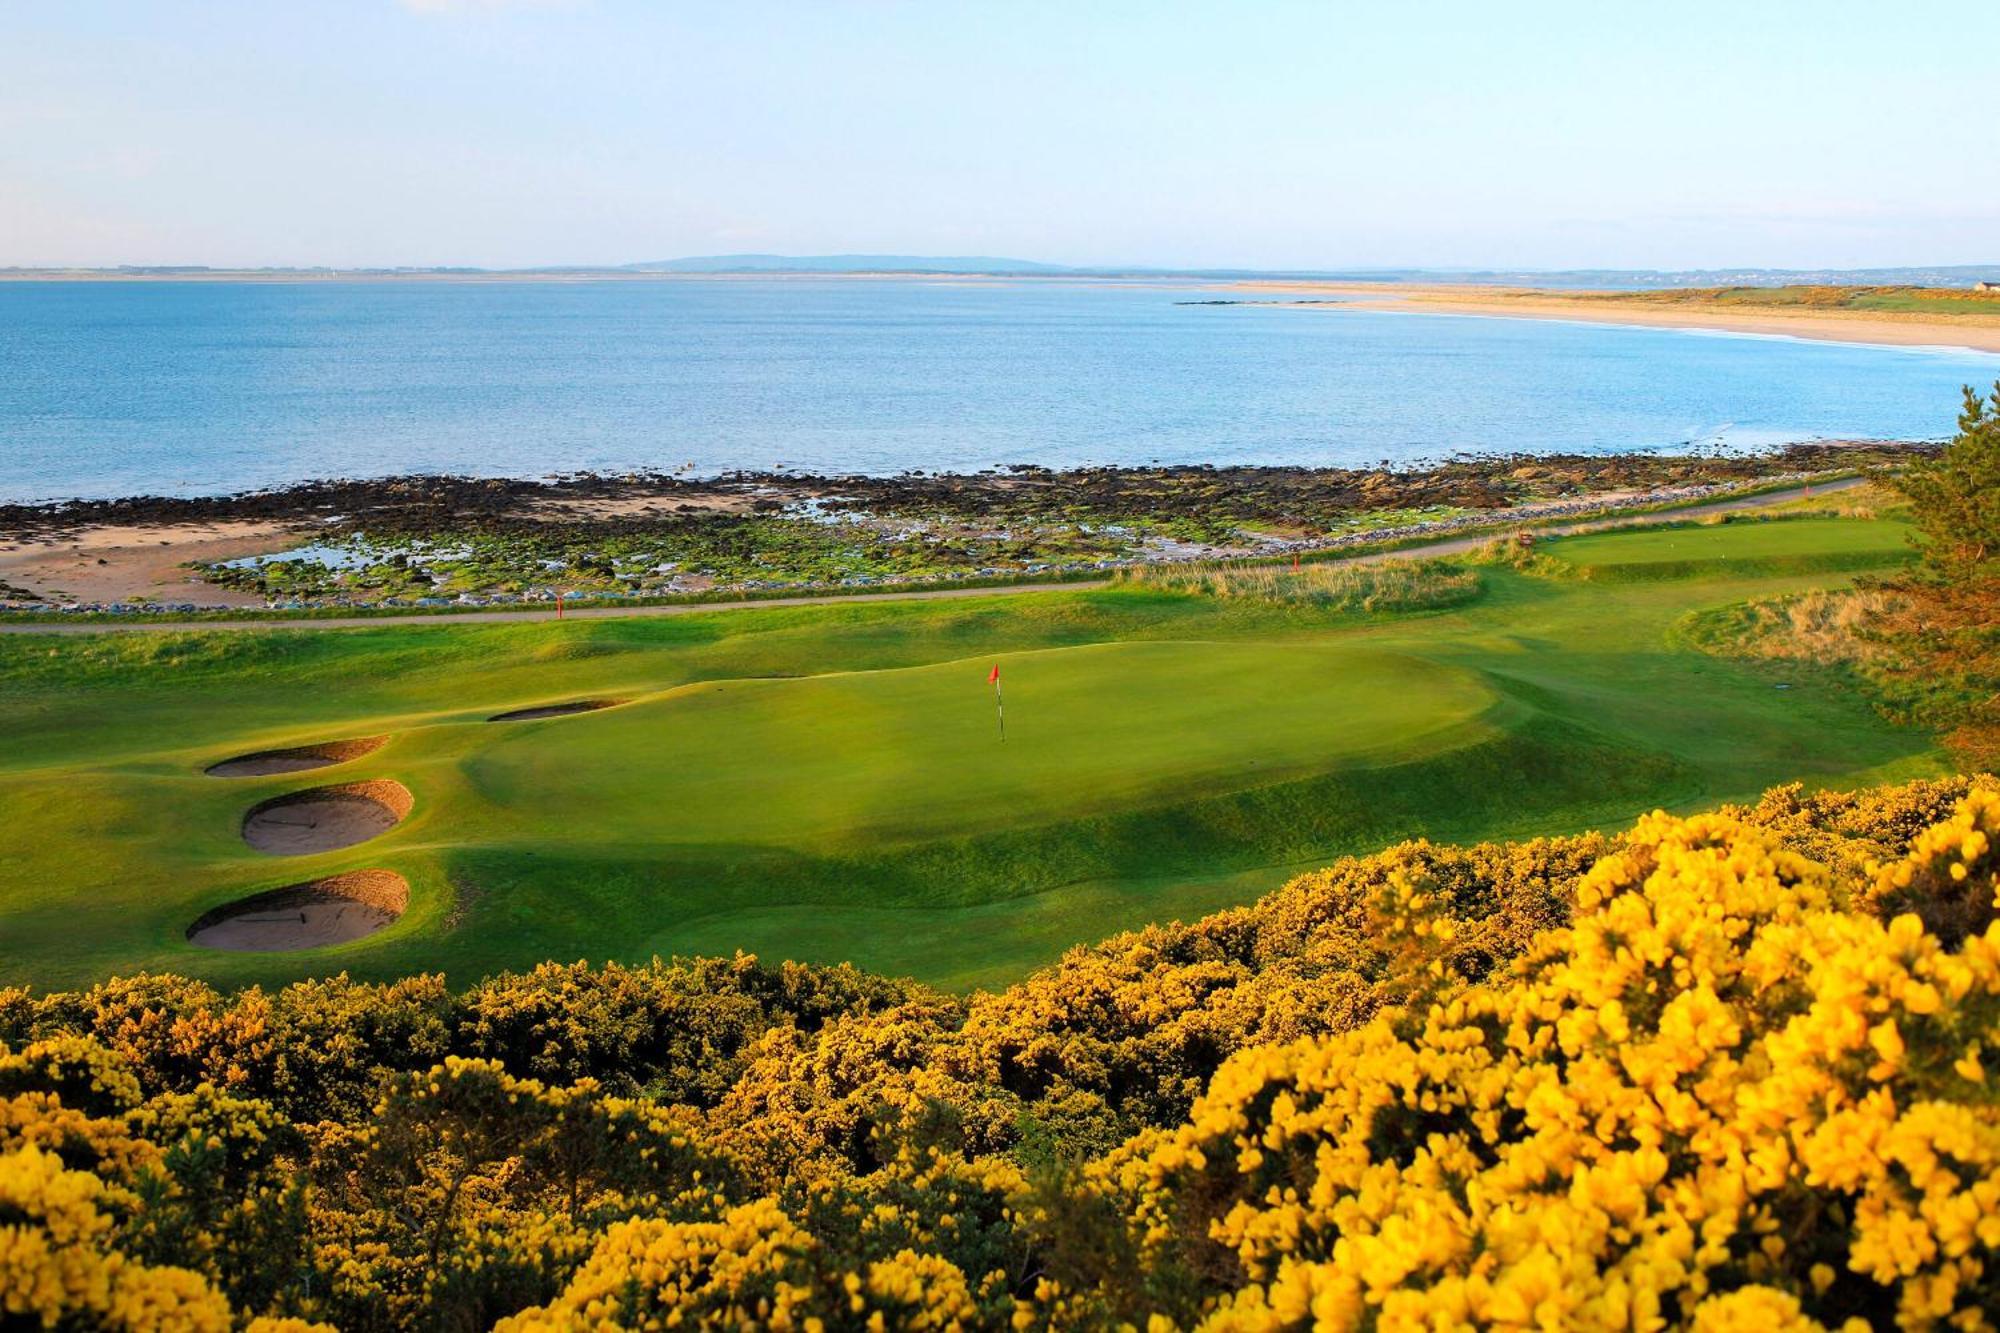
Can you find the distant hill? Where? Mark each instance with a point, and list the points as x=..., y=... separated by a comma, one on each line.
x=1946, y=276
x=845, y=264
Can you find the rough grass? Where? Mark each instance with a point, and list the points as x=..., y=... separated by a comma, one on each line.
x=1869, y=500
x=1389, y=585
x=1926, y=653
x=1817, y=626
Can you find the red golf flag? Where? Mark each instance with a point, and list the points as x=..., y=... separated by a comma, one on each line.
x=999, y=709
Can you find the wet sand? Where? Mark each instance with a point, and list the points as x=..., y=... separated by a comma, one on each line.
x=641, y=506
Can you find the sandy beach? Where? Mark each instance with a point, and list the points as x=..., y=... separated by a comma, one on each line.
x=123, y=563
x=1880, y=328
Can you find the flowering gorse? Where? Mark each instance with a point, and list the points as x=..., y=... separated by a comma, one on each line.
x=1731, y=1071
x=1714, y=1100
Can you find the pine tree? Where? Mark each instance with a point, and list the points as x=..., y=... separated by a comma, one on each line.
x=1955, y=498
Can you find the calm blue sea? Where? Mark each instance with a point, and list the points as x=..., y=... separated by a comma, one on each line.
x=111, y=389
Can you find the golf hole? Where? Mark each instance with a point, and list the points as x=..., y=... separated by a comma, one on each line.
x=305, y=916
x=296, y=759
x=553, y=710
x=324, y=819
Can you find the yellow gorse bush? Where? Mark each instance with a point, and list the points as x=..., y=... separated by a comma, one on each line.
x=1732, y=1071
x=58, y=1272
x=754, y=1268
x=1947, y=877
x=1714, y=1100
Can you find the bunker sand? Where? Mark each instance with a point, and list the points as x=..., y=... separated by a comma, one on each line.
x=296, y=759
x=554, y=710
x=325, y=819
x=320, y=912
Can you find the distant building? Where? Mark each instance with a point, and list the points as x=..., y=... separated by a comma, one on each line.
x=1986, y=286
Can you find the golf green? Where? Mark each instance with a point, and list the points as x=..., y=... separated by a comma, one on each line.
x=849, y=760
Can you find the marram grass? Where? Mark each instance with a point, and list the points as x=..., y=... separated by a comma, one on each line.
x=1388, y=585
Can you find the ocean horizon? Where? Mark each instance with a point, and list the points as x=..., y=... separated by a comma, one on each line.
x=197, y=388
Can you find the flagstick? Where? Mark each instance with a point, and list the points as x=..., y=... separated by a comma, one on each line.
x=1000, y=709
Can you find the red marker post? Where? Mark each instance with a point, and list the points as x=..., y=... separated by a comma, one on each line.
x=559, y=606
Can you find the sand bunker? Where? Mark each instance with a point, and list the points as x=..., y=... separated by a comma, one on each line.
x=553, y=710
x=322, y=819
x=297, y=759
x=305, y=916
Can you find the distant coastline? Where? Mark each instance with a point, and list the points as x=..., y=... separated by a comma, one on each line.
x=1978, y=333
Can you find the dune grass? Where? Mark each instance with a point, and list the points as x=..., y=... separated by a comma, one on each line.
x=1957, y=301
x=1396, y=585
x=829, y=783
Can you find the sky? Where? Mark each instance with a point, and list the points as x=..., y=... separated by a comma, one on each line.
x=509, y=133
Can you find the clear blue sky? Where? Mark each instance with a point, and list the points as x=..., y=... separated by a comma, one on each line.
x=1274, y=134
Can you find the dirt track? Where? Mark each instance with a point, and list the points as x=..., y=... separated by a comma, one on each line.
x=1447, y=546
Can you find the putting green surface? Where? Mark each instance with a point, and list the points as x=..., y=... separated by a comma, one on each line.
x=850, y=760
x=829, y=783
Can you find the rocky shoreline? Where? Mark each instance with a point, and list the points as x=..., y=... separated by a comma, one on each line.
x=438, y=542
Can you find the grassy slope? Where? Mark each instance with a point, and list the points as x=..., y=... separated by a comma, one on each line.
x=867, y=812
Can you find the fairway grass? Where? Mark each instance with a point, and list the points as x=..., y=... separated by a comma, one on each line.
x=829, y=783
x=1752, y=547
